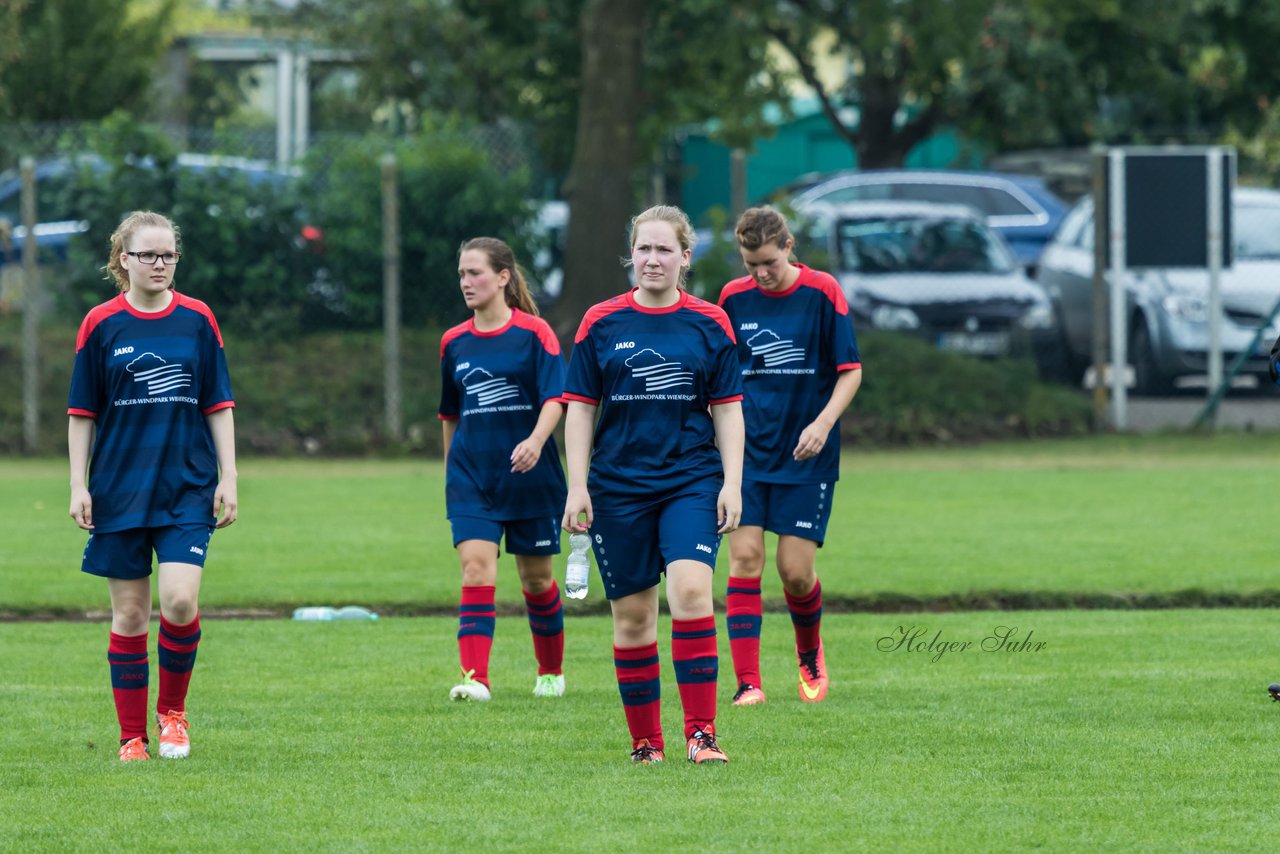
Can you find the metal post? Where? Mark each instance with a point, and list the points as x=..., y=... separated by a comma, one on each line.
x=31, y=304
x=284, y=106
x=1101, y=235
x=1215, y=266
x=301, y=84
x=1119, y=334
x=391, y=296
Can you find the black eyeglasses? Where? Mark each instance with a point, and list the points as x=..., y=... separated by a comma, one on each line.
x=168, y=258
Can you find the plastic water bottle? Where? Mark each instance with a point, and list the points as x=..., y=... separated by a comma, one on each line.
x=325, y=613
x=578, y=571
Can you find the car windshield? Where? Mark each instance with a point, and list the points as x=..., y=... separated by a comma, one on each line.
x=919, y=245
x=1257, y=232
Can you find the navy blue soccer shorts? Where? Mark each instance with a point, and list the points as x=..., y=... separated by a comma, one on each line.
x=633, y=550
x=127, y=554
x=794, y=509
x=530, y=537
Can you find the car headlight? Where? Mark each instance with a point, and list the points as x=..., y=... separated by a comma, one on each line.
x=1189, y=308
x=894, y=317
x=1038, y=317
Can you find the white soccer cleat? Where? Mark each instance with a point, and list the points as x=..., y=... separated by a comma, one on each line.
x=549, y=685
x=172, y=728
x=469, y=689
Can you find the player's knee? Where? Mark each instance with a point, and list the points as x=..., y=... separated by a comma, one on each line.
x=180, y=608
x=747, y=563
x=798, y=581
x=130, y=618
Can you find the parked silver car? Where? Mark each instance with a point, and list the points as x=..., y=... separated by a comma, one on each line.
x=1168, y=309
x=940, y=273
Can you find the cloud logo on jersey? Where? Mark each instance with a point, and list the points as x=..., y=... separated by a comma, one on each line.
x=160, y=376
x=658, y=374
x=487, y=388
x=773, y=350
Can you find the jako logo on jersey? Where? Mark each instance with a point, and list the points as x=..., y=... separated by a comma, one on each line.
x=747, y=327
x=487, y=388
x=625, y=345
x=703, y=548
x=658, y=374
x=541, y=544
x=462, y=367
x=197, y=550
x=805, y=525
x=773, y=350
x=160, y=376
x=120, y=351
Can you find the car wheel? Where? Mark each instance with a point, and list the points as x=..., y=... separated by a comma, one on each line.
x=1148, y=379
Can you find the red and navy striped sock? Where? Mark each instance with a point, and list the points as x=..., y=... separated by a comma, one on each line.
x=475, y=631
x=640, y=684
x=546, y=622
x=697, y=664
x=743, y=615
x=806, y=617
x=176, y=655
x=130, y=675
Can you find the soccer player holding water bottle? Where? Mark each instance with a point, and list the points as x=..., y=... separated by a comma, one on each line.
x=501, y=382
x=800, y=369
x=151, y=398
x=658, y=367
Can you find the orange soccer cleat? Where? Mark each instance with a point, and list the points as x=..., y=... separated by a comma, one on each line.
x=172, y=728
x=813, y=675
x=703, y=748
x=134, y=750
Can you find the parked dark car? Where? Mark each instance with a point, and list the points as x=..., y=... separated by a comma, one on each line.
x=1167, y=309
x=1021, y=209
x=938, y=272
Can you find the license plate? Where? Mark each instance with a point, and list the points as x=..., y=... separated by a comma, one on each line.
x=975, y=343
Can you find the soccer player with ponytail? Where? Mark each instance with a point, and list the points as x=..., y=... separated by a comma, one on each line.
x=151, y=399
x=800, y=371
x=502, y=380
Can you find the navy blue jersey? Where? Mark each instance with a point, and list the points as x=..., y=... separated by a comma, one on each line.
x=652, y=372
x=148, y=381
x=495, y=384
x=792, y=344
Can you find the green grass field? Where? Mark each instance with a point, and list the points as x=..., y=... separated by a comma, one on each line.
x=1128, y=730
x=1110, y=516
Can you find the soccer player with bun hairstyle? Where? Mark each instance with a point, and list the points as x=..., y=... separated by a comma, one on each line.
x=800, y=369
x=151, y=398
x=659, y=369
x=502, y=378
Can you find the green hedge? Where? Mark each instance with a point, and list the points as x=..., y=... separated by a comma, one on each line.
x=322, y=393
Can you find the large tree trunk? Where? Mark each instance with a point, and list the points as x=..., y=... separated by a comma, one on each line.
x=599, y=188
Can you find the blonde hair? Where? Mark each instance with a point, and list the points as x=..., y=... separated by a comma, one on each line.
x=759, y=226
x=674, y=217
x=124, y=233
x=502, y=258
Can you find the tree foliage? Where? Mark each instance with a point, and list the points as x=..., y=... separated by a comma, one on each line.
x=71, y=60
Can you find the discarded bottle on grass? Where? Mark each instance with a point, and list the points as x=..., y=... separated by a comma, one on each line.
x=577, y=572
x=325, y=613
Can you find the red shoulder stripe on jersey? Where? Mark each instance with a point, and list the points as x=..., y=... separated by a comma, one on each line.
x=96, y=315
x=570, y=396
x=849, y=366
x=196, y=305
x=597, y=311
x=226, y=404
x=828, y=286
x=539, y=327
x=719, y=400
x=737, y=286
x=559, y=398
x=452, y=333
x=83, y=412
x=714, y=312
